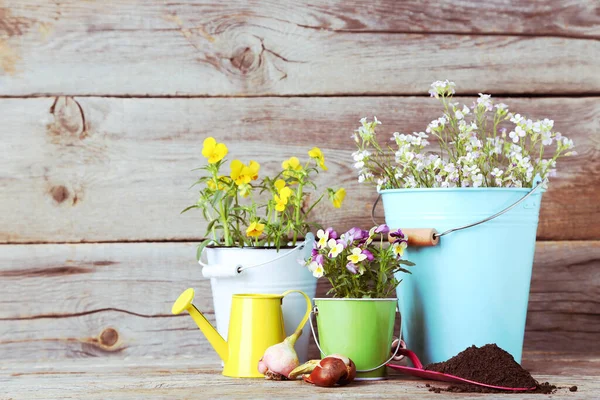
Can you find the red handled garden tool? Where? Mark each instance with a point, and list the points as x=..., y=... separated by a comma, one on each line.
x=421, y=372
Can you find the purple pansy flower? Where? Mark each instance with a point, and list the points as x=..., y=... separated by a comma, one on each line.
x=383, y=229
x=358, y=234
x=352, y=268
x=368, y=254
x=332, y=234
x=398, y=236
x=318, y=259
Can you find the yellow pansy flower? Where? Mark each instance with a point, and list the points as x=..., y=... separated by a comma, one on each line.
x=242, y=174
x=279, y=184
x=213, y=151
x=285, y=192
x=317, y=155
x=292, y=163
x=280, y=202
x=356, y=256
x=255, y=229
x=253, y=169
x=337, y=198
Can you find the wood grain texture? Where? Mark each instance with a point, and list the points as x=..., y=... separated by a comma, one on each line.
x=289, y=48
x=544, y=17
x=113, y=300
x=192, y=378
x=110, y=169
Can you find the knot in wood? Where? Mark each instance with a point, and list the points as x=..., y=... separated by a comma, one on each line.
x=109, y=337
x=69, y=119
x=245, y=59
x=59, y=193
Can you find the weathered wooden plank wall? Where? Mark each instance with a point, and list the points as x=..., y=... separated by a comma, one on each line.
x=104, y=106
x=114, y=300
x=90, y=165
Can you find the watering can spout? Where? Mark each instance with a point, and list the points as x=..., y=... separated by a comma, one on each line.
x=184, y=302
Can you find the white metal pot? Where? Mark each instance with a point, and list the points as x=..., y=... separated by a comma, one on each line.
x=234, y=270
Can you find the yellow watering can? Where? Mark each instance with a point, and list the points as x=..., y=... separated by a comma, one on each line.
x=255, y=323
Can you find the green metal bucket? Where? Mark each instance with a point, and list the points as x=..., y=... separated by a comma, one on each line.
x=360, y=329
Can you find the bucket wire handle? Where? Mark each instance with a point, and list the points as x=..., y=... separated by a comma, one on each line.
x=507, y=209
x=241, y=268
x=394, y=356
x=308, y=307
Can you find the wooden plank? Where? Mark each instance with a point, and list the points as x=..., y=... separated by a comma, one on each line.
x=111, y=169
x=185, y=378
x=299, y=49
x=544, y=17
x=113, y=300
x=182, y=378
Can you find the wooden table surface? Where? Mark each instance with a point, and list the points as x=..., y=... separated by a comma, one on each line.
x=184, y=378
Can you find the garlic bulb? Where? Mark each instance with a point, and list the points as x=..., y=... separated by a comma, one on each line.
x=280, y=359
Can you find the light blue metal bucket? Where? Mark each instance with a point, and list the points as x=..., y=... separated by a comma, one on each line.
x=473, y=287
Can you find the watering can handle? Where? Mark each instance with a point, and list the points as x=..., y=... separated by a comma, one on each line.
x=308, y=307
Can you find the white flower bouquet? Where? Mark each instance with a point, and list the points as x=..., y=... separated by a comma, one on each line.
x=484, y=145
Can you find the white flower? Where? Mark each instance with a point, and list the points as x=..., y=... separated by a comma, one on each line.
x=547, y=124
x=546, y=138
x=478, y=180
x=442, y=88
x=496, y=172
x=458, y=114
x=360, y=155
x=336, y=248
x=485, y=101
x=515, y=149
x=517, y=134
x=367, y=130
x=356, y=256
x=316, y=269
x=323, y=237
x=501, y=107
x=567, y=143
x=399, y=248
x=381, y=182
x=410, y=182
x=516, y=118
x=450, y=168
x=497, y=144
x=359, y=165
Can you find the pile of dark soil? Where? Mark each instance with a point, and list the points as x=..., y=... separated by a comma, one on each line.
x=491, y=365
